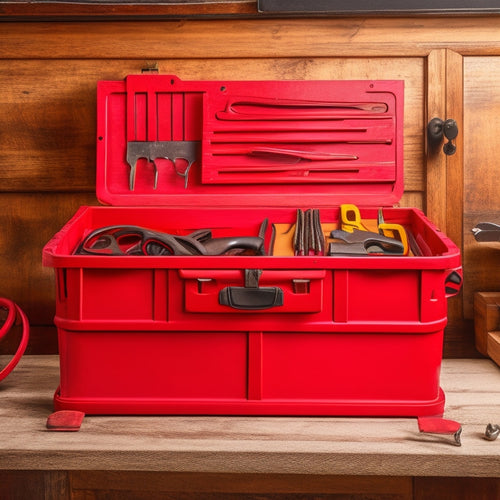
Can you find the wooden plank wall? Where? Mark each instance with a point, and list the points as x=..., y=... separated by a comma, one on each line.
x=48, y=75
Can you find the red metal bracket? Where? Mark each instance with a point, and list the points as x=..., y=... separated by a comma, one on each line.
x=438, y=425
x=65, y=420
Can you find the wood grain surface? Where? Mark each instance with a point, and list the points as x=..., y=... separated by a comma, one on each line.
x=242, y=38
x=481, y=196
x=128, y=9
x=273, y=445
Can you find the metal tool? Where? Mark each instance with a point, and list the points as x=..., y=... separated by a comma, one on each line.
x=361, y=242
x=298, y=236
x=308, y=238
x=168, y=150
x=486, y=232
x=392, y=230
x=262, y=233
x=438, y=425
x=262, y=108
x=301, y=162
x=492, y=432
x=284, y=154
x=136, y=240
x=414, y=246
x=319, y=245
x=350, y=221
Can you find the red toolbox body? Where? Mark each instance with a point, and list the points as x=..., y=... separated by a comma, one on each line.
x=350, y=335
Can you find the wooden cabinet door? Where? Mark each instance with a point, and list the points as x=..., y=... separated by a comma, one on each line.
x=481, y=201
x=462, y=189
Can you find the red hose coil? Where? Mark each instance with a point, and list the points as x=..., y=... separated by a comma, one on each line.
x=13, y=311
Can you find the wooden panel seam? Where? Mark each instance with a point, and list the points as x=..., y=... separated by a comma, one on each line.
x=455, y=164
x=436, y=160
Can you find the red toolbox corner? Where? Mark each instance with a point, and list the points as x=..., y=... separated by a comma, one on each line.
x=278, y=333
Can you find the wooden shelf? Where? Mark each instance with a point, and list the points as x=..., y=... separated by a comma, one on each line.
x=26, y=10
x=251, y=445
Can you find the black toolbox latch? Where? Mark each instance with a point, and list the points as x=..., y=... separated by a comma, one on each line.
x=251, y=297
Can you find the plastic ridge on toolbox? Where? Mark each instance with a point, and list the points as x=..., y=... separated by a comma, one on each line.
x=290, y=332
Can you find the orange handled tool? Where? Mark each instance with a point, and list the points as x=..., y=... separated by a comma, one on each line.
x=350, y=218
x=396, y=231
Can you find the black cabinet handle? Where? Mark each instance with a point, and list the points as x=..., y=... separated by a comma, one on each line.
x=438, y=129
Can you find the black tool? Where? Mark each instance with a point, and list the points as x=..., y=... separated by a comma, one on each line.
x=135, y=240
x=152, y=151
x=486, y=232
x=363, y=243
x=308, y=238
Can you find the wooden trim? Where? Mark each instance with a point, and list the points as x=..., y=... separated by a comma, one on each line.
x=25, y=10
x=455, y=165
x=192, y=486
x=284, y=484
x=445, y=173
x=262, y=38
x=436, y=160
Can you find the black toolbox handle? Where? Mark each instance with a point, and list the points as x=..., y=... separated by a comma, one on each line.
x=251, y=297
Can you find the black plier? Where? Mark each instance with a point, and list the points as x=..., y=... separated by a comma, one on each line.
x=135, y=240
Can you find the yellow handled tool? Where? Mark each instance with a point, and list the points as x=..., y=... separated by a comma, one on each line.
x=350, y=218
x=396, y=231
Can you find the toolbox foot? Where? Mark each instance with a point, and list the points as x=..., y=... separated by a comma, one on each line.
x=438, y=425
x=65, y=421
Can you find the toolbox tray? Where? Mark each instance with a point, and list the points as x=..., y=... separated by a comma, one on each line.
x=267, y=334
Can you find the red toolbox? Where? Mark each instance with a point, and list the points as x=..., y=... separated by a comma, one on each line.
x=293, y=325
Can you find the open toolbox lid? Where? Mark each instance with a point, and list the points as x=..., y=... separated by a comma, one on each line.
x=166, y=142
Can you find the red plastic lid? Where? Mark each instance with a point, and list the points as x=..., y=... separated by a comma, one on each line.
x=166, y=142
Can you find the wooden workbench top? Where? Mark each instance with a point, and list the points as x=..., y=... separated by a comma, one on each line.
x=319, y=445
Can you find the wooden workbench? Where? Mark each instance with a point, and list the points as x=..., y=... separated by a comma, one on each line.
x=228, y=446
